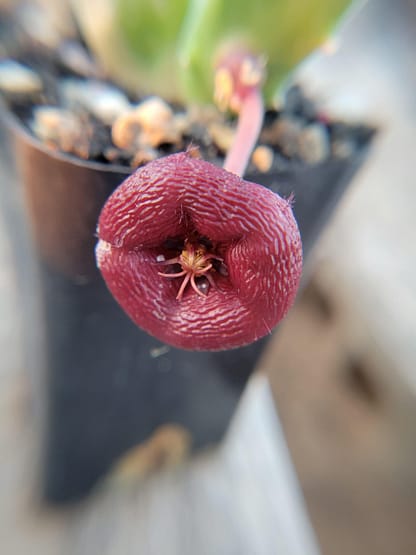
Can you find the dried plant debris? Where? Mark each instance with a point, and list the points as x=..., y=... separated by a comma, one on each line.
x=61, y=96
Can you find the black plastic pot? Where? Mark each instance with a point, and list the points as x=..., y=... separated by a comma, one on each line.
x=104, y=385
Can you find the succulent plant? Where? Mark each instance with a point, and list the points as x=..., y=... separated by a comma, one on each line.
x=197, y=256
x=197, y=50
x=171, y=47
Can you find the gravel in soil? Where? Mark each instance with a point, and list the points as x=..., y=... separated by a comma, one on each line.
x=62, y=98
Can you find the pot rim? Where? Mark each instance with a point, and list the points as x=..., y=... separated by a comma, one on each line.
x=18, y=127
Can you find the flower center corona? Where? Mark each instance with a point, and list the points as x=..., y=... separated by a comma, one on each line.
x=196, y=262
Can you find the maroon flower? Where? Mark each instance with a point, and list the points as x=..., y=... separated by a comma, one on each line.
x=198, y=257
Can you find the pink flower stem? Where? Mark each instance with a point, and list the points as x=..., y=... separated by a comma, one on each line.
x=249, y=125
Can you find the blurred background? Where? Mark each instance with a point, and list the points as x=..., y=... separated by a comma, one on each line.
x=344, y=366
x=342, y=371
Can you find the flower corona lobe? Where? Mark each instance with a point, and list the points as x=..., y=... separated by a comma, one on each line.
x=197, y=256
